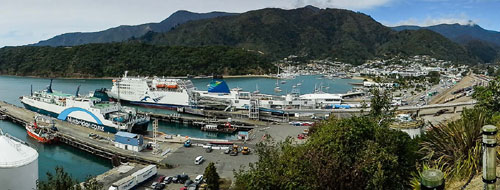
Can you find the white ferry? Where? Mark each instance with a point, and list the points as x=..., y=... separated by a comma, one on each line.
x=153, y=92
x=238, y=99
x=93, y=111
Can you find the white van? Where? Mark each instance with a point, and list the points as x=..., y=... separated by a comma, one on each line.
x=199, y=160
x=198, y=179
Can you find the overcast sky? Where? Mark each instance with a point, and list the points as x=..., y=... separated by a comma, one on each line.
x=29, y=21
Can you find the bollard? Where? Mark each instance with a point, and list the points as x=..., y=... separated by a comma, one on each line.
x=489, y=157
x=432, y=179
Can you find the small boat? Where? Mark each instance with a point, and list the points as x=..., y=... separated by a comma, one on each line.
x=299, y=84
x=257, y=91
x=283, y=81
x=42, y=129
x=277, y=89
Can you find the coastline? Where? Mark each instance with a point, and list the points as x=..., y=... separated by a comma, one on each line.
x=362, y=78
x=111, y=78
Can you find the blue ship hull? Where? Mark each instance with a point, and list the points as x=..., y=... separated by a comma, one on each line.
x=137, y=128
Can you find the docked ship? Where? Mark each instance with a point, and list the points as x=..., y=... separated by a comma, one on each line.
x=153, y=92
x=93, y=111
x=218, y=91
x=42, y=129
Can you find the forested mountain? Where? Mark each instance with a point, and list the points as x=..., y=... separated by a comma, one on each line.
x=460, y=33
x=112, y=59
x=316, y=33
x=245, y=43
x=122, y=33
x=482, y=43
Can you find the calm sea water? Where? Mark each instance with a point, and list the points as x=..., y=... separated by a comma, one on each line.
x=81, y=164
x=266, y=85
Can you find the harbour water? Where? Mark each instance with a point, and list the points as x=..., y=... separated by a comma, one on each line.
x=267, y=85
x=81, y=164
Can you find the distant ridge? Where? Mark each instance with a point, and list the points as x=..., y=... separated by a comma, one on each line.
x=347, y=36
x=459, y=33
x=123, y=33
x=485, y=44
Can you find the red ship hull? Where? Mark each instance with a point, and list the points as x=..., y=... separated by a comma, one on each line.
x=39, y=139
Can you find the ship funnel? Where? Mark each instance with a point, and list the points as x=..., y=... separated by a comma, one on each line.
x=77, y=90
x=49, y=89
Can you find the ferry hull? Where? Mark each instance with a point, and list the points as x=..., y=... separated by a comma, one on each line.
x=155, y=105
x=73, y=120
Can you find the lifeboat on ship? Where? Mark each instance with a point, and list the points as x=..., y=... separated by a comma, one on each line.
x=160, y=86
x=172, y=86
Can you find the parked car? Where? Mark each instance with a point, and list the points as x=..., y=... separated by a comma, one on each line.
x=300, y=136
x=159, y=186
x=188, y=182
x=160, y=178
x=168, y=180
x=198, y=179
x=154, y=185
x=182, y=178
x=233, y=153
x=227, y=151
x=192, y=186
x=245, y=150
x=209, y=149
x=198, y=160
x=441, y=111
x=187, y=143
x=175, y=179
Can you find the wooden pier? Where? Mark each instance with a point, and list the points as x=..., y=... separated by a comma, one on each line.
x=78, y=137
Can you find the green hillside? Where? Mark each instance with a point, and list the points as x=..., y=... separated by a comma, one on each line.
x=420, y=42
x=112, y=59
x=315, y=33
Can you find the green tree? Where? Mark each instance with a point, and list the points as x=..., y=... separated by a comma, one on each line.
x=60, y=181
x=92, y=184
x=434, y=77
x=488, y=97
x=63, y=181
x=380, y=103
x=211, y=176
x=352, y=153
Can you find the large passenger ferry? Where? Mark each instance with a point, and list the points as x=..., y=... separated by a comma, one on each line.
x=153, y=92
x=93, y=111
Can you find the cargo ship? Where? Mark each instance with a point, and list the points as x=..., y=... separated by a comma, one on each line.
x=93, y=111
x=42, y=129
x=168, y=93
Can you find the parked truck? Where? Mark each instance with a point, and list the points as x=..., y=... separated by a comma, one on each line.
x=135, y=179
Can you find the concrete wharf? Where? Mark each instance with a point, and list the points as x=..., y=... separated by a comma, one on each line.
x=78, y=137
x=200, y=118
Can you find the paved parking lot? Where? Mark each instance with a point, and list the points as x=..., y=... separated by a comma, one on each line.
x=182, y=159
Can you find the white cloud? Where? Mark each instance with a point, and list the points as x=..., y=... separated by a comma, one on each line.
x=462, y=19
x=345, y=4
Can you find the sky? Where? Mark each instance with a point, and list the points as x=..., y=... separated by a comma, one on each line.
x=29, y=21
